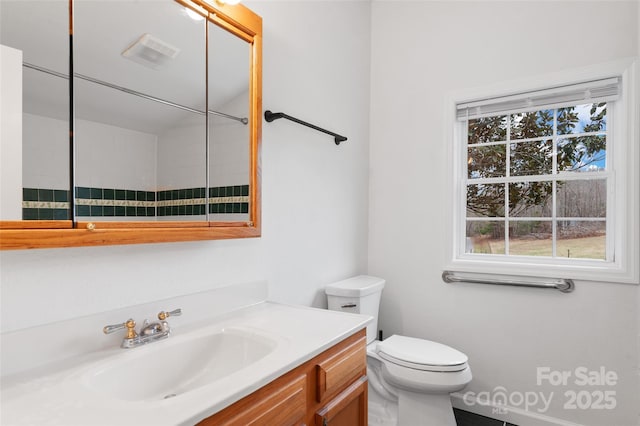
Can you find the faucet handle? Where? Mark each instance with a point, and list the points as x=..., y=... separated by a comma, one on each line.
x=164, y=315
x=130, y=325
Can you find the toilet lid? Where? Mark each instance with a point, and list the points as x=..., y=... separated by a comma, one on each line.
x=421, y=354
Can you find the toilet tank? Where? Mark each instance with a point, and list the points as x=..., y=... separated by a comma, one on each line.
x=358, y=295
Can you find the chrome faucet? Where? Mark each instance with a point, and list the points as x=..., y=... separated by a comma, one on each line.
x=149, y=332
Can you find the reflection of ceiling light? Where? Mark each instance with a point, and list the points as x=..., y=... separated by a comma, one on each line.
x=229, y=2
x=193, y=14
x=151, y=52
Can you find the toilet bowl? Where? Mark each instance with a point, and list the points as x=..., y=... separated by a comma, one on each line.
x=410, y=379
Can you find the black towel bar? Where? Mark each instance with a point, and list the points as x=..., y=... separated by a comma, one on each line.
x=270, y=116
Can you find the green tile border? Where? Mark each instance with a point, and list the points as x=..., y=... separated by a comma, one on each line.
x=50, y=204
x=45, y=204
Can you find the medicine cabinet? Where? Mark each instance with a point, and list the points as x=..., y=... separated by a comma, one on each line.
x=135, y=121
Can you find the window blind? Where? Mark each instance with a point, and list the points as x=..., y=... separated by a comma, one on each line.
x=603, y=90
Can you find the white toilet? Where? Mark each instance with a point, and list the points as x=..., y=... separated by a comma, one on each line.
x=409, y=379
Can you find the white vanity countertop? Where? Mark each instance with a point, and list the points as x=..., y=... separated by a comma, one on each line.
x=57, y=394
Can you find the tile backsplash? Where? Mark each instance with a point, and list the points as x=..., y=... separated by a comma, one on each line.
x=50, y=204
x=45, y=204
x=99, y=202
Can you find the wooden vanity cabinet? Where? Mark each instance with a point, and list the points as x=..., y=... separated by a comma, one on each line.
x=328, y=390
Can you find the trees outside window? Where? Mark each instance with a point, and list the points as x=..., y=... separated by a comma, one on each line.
x=537, y=183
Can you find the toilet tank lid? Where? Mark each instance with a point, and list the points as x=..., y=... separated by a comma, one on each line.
x=362, y=285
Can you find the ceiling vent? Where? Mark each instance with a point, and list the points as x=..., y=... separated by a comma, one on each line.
x=151, y=52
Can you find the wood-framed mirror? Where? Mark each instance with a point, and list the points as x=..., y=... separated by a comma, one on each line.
x=156, y=138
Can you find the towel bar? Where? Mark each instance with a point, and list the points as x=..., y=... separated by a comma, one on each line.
x=564, y=285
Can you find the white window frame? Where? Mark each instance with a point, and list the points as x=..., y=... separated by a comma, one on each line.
x=622, y=224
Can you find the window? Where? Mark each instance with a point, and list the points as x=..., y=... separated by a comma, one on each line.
x=537, y=183
x=542, y=181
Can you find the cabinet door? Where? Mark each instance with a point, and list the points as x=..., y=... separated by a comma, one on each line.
x=348, y=408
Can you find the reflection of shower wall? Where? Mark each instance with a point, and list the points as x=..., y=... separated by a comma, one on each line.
x=123, y=174
x=229, y=162
x=182, y=172
x=115, y=170
x=115, y=173
x=45, y=157
x=113, y=157
x=45, y=168
x=182, y=157
x=106, y=156
x=229, y=141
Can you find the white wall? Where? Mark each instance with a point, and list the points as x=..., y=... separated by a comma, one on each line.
x=316, y=68
x=10, y=133
x=637, y=174
x=421, y=51
x=314, y=193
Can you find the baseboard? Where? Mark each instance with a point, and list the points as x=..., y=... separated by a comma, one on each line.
x=505, y=413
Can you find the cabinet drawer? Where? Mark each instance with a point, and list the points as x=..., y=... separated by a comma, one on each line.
x=348, y=408
x=337, y=371
x=282, y=405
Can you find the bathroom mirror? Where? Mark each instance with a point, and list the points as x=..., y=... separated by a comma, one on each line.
x=229, y=124
x=140, y=122
x=35, y=150
x=166, y=123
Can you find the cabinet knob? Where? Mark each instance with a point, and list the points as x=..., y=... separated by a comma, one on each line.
x=91, y=226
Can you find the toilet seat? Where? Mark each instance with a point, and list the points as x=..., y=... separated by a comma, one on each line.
x=420, y=354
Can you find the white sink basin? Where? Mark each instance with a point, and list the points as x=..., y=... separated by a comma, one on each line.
x=169, y=368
